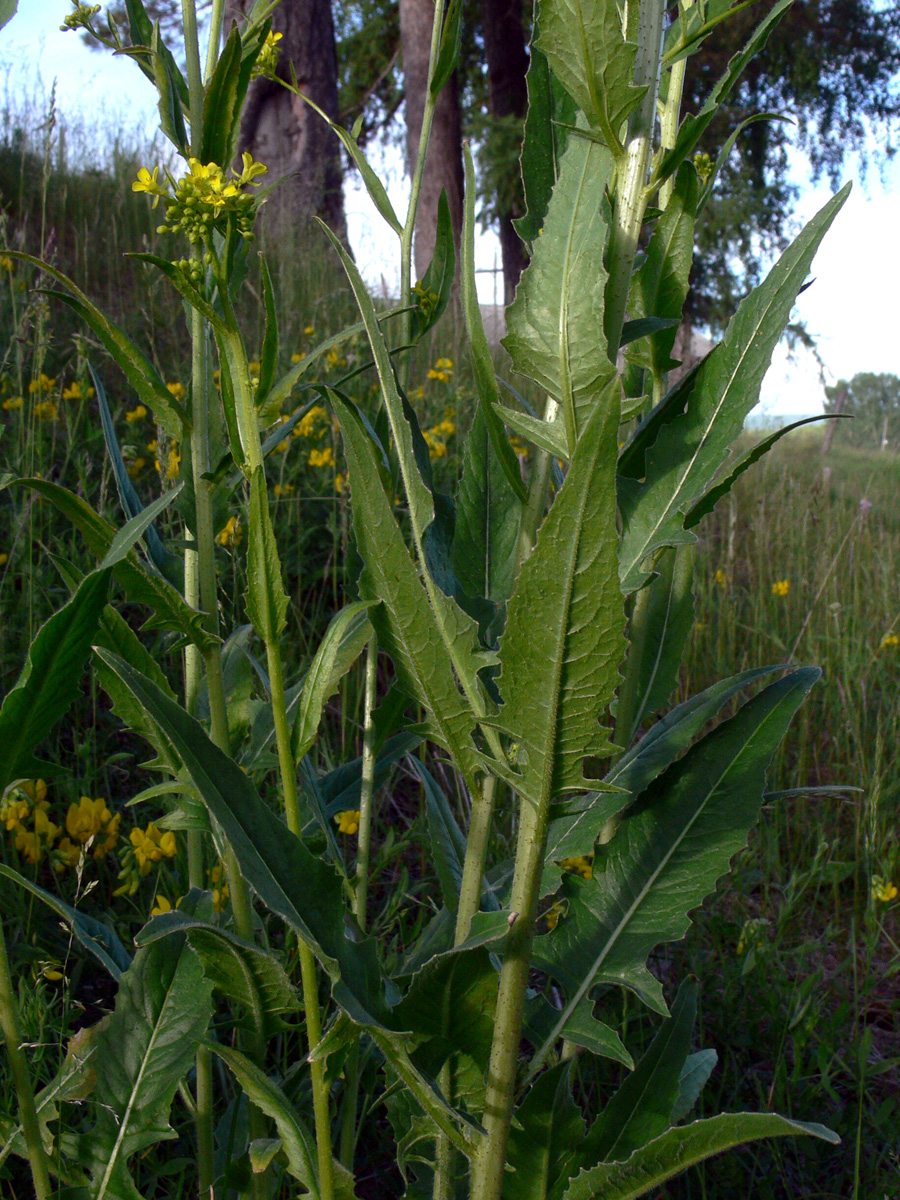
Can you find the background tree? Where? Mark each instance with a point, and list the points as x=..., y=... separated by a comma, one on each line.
x=874, y=403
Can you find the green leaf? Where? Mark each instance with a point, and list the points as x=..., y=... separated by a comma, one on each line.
x=267, y=601
x=345, y=638
x=723, y=389
x=247, y=974
x=405, y=621
x=136, y=527
x=223, y=102
x=296, y=885
x=482, y=363
x=691, y=1082
x=588, y=54
x=142, y=1051
x=141, y=585
x=582, y=1029
x=694, y=126
x=661, y=621
x=98, y=939
x=139, y=371
x=724, y=485
x=642, y=1107
x=547, y=435
x=567, y=589
x=574, y=833
x=268, y=360
x=182, y=284
x=671, y=846
x=488, y=516
x=50, y=680
x=297, y=1142
x=660, y=286
x=435, y=286
x=171, y=114
x=550, y=111
x=544, y=1138
x=449, y=47
x=8, y=10
x=554, y=320
x=448, y=843
x=682, y=1147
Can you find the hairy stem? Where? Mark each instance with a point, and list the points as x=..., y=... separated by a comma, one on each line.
x=668, y=126
x=12, y=1034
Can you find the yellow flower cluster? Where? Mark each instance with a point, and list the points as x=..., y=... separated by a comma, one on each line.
x=579, y=866
x=267, y=59
x=135, y=414
x=76, y=392
x=720, y=577
x=43, y=383
x=347, y=821
x=231, y=534
x=311, y=424
x=11, y=403
x=81, y=17
x=442, y=370
x=321, y=458
x=199, y=202
x=554, y=912
x=148, y=846
x=883, y=890
x=89, y=825
x=437, y=437
x=781, y=587
x=752, y=936
x=889, y=639
x=173, y=461
x=46, y=410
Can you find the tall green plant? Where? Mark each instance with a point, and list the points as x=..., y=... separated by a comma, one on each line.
x=536, y=623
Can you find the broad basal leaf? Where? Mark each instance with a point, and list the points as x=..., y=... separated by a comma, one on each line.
x=587, y=52
x=556, y=319
x=672, y=845
x=649, y=1168
x=556, y=690
x=693, y=446
x=298, y=886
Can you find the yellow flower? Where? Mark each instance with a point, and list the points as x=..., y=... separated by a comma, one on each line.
x=66, y=854
x=578, y=866
x=42, y=384
x=340, y=483
x=447, y=428
x=4, y=559
x=334, y=358
x=883, y=890
x=51, y=971
x=310, y=423
x=147, y=182
x=519, y=447
x=231, y=534
x=781, y=587
x=444, y=364
x=309, y=330
x=7, y=264
x=321, y=458
x=75, y=392
x=135, y=414
x=161, y=906
x=14, y=813
x=437, y=447
x=177, y=390
x=283, y=489
x=889, y=639
x=135, y=468
x=347, y=821
x=295, y=358
x=13, y=402
x=152, y=447
x=92, y=819
x=33, y=843
x=45, y=410
x=35, y=790
x=219, y=887
x=720, y=576
x=266, y=60
x=151, y=846
x=554, y=912
x=752, y=936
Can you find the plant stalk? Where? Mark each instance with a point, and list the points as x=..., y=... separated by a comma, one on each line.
x=18, y=1065
x=668, y=126
x=216, y=21
x=631, y=169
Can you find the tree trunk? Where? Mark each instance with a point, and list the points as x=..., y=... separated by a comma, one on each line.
x=506, y=51
x=281, y=131
x=831, y=428
x=443, y=163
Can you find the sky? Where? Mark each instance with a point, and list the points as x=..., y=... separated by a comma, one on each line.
x=851, y=309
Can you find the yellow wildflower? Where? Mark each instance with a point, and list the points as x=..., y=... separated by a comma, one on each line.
x=152, y=447
x=519, y=447
x=340, y=483
x=554, y=912
x=578, y=866
x=13, y=402
x=147, y=182
x=720, y=576
x=334, y=358
x=321, y=458
x=66, y=854
x=51, y=970
x=42, y=384
x=889, y=639
x=161, y=906
x=92, y=819
x=231, y=534
x=7, y=264
x=151, y=846
x=177, y=390
x=33, y=843
x=310, y=423
x=135, y=468
x=219, y=887
x=309, y=330
x=437, y=447
x=45, y=410
x=4, y=559
x=447, y=428
x=781, y=587
x=283, y=489
x=347, y=821
x=295, y=358
x=75, y=392
x=267, y=59
x=752, y=936
x=135, y=414
x=883, y=890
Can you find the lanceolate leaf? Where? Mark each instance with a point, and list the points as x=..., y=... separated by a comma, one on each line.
x=554, y=699
x=344, y=640
x=693, y=446
x=267, y=600
x=139, y=371
x=404, y=621
x=672, y=845
x=649, y=1168
x=298, y=886
x=434, y=288
x=545, y=1138
x=588, y=54
x=558, y=309
x=162, y=1010
x=488, y=516
x=661, y=621
x=50, y=680
x=448, y=843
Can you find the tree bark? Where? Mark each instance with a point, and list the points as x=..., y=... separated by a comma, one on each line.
x=443, y=163
x=281, y=131
x=505, y=46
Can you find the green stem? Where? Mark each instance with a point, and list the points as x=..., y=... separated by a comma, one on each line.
x=406, y=238
x=9, y=1022
x=631, y=195
x=668, y=126
x=361, y=893
x=195, y=78
x=216, y=20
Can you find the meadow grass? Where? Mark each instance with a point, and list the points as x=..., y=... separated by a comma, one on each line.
x=799, y=565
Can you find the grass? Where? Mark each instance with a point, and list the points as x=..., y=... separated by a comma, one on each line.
x=798, y=955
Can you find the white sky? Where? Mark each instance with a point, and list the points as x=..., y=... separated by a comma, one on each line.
x=851, y=309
